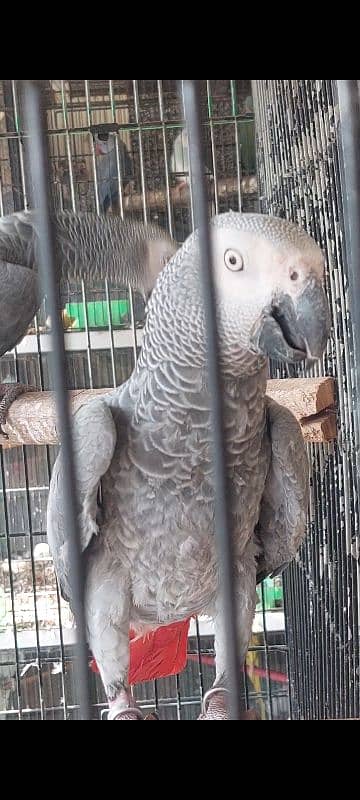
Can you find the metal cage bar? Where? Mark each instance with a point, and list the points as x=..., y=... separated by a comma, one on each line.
x=222, y=516
x=47, y=265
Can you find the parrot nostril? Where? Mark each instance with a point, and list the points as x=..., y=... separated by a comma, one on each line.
x=294, y=276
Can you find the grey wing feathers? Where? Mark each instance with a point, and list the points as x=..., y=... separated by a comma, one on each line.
x=19, y=295
x=19, y=238
x=284, y=505
x=90, y=247
x=94, y=438
x=19, y=302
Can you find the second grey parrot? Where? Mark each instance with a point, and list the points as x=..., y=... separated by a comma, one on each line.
x=149, y=551
x=180, y=160
x=88, y=248
x=108, y=171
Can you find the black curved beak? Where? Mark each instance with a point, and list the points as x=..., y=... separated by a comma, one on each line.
x=293, y=331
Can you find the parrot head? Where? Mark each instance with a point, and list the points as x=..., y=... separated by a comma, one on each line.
x=269, y=277
x=271, y=302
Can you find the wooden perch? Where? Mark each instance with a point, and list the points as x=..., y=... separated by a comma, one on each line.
x=180, y=196
x=32, y=418
x=312, y=401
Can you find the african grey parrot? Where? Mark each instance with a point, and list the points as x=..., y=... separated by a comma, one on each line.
x=88, y=248
x=149, y=549
x=108, y=170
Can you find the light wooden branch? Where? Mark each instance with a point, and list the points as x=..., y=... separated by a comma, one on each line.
x=32, y=418
x=180, y=195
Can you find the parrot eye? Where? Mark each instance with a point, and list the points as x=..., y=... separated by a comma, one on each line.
x=294, y=276
x=233, y=261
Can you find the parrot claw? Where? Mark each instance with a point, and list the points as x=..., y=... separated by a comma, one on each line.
x=214, y=705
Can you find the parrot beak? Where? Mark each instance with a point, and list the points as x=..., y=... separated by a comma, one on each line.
x=293, y=330
x=313, y=319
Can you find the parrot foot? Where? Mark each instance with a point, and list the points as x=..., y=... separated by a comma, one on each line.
x=153, y=716
x=135, y=714
x=124, y=707
x=9, y=392
x=215, y=707
x=129, y=713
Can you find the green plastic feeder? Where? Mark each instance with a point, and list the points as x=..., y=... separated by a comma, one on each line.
x=98, y=314
x=273, y=595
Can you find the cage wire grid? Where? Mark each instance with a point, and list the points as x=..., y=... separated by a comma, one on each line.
x=301, y=128
x=103, y=335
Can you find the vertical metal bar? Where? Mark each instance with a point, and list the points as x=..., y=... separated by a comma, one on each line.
x=34, y=587
x=25, y=458
x=190, y=176
x=237, y=139
x=349, y=137
x=111, y=334
x=1, y=198
x=222, y=522
x=13, y=144
x=87, y=332
x=121, y=201
x=200, y=660
x=11, y=584
x=64, y=101
x=117, y=150
x=267, y=655
x=20, y=143
x=178, y=699
x=213, y=146
x=24, y=450
x=62, y=654
x=166, y=158
x=133, y=325
x=47, y=265
x=89, y=121
x=141, y=148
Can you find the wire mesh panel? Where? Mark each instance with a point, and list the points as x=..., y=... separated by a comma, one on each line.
x=300, y=172
x=117, y=147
